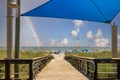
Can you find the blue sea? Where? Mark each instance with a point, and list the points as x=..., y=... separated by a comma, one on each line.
x=63, y=49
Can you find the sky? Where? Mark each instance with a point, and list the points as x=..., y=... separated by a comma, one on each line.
x=40, y=31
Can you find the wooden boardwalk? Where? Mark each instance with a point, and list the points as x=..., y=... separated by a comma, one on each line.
x=59, y=69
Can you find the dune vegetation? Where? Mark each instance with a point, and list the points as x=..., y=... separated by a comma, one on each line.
x=102, y=54
x=24, y=54
x=24, y=68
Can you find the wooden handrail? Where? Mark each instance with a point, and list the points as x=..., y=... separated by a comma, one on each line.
x=30, y=62
x=91, y=66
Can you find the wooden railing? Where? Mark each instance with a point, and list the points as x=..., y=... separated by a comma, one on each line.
x=96, y=69
x=28, y=68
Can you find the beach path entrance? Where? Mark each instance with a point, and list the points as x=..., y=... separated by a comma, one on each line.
x=59, y=69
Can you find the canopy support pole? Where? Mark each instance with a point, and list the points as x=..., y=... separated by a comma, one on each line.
x=114, y=41
x=17, y=38
x=9, y=31
x=17, y=31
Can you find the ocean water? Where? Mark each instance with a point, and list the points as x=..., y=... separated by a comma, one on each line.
x=63, y=49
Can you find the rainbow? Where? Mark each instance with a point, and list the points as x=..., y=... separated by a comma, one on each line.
x=35, y=35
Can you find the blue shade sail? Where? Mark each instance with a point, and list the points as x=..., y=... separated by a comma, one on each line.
x=90, y=10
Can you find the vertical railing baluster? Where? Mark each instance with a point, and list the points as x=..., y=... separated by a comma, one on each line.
x=7, y=70
x=87, y=65
x=118, y=69
x=80, y=65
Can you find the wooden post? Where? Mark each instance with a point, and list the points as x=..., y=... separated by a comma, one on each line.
x=7, y=70
x=95, y=72
x=30, y=70
x=114, y=41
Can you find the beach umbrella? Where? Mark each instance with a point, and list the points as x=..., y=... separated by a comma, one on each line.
x=102, y=11
x=74, y=51
x=85, y=50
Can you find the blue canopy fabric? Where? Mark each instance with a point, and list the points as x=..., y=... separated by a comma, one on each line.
x=90, y=10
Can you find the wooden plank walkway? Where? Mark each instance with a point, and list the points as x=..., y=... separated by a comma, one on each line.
x=59, y=69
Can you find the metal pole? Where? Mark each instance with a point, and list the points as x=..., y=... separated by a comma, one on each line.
x=17, y=32
x=9, y=31
x=114, y=41
x=17, y=38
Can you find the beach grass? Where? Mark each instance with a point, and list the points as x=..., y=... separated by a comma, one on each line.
x=3, y=53
x=101, y=54
x=23, y=68
x=28, y=54
x=24, y=54
x=102, y=68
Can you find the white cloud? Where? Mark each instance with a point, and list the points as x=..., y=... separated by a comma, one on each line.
x=99, y=34
x=97, y=39
x=118, y=37
x=101, y=42
x=74, y=33
x=52, y=42
x=89, y=35
x=77, y=23
x=64, y=41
